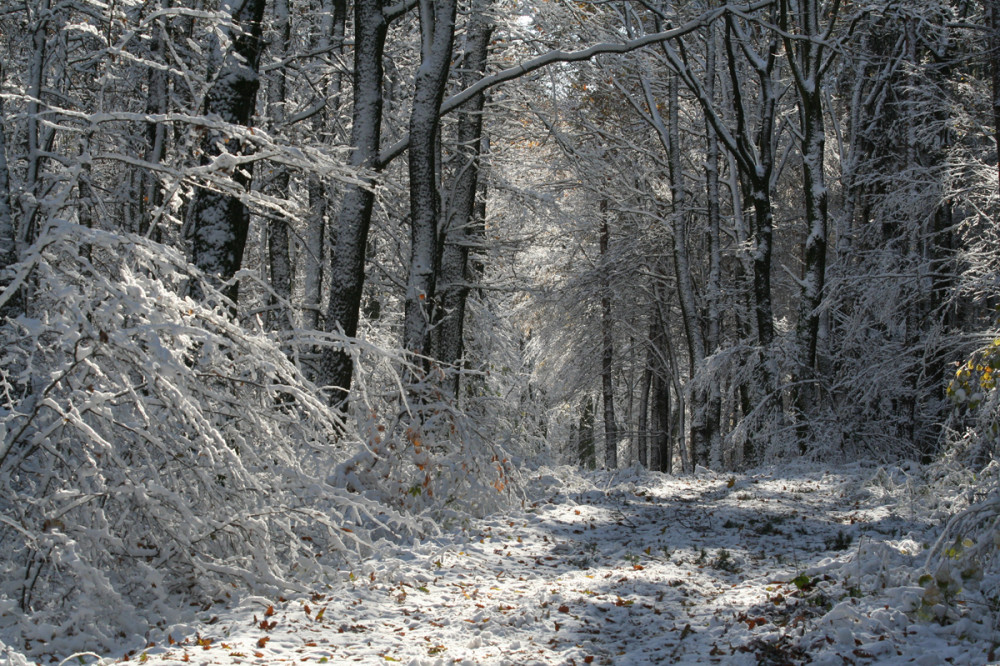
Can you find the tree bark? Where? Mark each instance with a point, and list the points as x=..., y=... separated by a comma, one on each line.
x=607, y=351
x=586, y=450
x=8, y=237
x=347, y=271
x=221, y=221
x=279, y=232
x=437, y=29
x=993, y=18
x=314, y=255
x=460, y=228
x=805, y=57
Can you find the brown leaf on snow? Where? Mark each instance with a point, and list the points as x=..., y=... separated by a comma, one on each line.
x=262, y=641
x=564, y=609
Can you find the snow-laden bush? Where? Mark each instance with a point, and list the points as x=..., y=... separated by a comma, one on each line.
x=153, y=450
x=427, y=452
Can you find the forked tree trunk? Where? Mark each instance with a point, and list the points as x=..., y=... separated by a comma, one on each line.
x=460, y=226
x=437, y=30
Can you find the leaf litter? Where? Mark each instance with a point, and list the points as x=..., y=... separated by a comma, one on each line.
x=787, y=566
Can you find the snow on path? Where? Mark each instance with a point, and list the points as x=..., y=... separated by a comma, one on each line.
x=777, y=568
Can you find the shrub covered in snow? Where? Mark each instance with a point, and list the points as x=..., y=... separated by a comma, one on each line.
x=154, y=450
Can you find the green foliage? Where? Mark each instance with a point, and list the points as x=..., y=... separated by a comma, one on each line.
x=840, y=542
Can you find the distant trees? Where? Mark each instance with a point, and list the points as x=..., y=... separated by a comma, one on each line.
x=827, y=228
x=788, y=177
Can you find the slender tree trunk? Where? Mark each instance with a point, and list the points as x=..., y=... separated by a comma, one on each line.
x=713, y=293
x=221, y=221
x=993, y=17
x=607, y=352
x=437, y=29
x=347, y=272
x=36, y=77
x=586, y=451
x=806, y=61
x=699, y=439
x=314, y=254
x=279, y=232
x=150, y=192
x=459, y=226
x=643, y=428
x=8, y=237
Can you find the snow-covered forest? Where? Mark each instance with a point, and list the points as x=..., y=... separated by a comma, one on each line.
x=290, y=285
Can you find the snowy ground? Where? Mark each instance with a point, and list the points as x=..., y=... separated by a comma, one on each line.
x=635, y=568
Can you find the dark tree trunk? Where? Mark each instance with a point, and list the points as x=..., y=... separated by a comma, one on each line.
x=150, y=192
x=643, y=437
x=993, y=17
x=279, y=232
x=314, y=254
x=220, y=221
x=607, y=351
x=8, y=238
x=437, y=30
x=587, y=451
x=460, y=227
x=347, y=274
x=806, y=60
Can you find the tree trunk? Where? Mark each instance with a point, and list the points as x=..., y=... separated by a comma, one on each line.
x=607, y=351
x=460, y=227
x=8, y=237
x=643, y=437
x=36, y=77
x=347, y=271
x=314, y=254
x=279, y=232
x=221, y=221
x=993, y=11
x=713, y=293
x=685, y=280
x=806, y=60
x=150, y=192
x=586, y=451
x=437, y=29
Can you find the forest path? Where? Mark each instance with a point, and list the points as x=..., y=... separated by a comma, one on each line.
x=633, y=568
